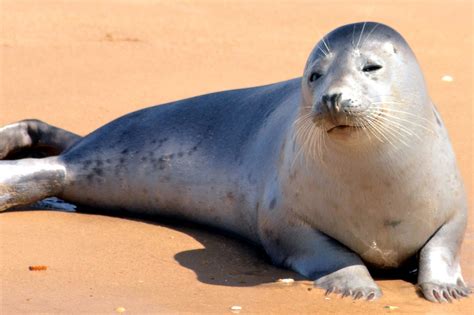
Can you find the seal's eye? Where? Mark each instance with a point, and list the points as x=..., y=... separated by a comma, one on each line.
x=314, y=76
x=371, y=68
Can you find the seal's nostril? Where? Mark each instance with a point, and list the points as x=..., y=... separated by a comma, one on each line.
x=326, y=99
x=332, y=102
x=337, y=102
x=334, y=98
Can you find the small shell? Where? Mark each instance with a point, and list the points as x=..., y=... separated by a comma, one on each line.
x=120, y=309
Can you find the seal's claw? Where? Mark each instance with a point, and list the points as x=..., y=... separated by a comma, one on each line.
x=368, y=293
x=373, y=296
x=463, y=291
x=454, y=292
x=329, y=291
x=442, y=293
x=353, y=281
x=358, y=295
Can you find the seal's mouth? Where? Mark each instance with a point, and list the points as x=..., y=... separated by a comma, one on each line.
x=342, y=128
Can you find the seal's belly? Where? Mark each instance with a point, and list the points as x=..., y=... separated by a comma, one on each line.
x=389, y=236
x=393, y=243
x=385, y=217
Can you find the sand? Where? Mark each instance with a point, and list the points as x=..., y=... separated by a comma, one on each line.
x=79, y=64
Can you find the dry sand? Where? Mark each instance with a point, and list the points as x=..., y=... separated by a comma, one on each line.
x=79, y=64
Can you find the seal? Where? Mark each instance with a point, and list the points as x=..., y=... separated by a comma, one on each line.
x=348, y=166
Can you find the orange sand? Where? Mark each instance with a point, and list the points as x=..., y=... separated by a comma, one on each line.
x=79, y=64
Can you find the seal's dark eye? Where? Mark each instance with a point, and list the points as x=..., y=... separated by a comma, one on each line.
x=370, y=68
x=314, y=76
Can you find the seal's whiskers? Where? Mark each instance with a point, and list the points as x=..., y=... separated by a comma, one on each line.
x=398, y=125
x=310, y=138
x=423, y=122
x=360, y=35
x=391, y=133
x=326, y=45
x=370, y=33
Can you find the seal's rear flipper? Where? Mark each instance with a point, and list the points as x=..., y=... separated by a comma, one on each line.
x=33, y=138
x=29, y=180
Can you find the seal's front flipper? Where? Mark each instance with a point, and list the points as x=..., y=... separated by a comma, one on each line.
x=439, y=276
x=29, y=180
x=33, y=138
x=316, y=256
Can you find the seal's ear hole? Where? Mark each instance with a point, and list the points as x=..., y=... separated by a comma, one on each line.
x=314, y=76
x=371, y=68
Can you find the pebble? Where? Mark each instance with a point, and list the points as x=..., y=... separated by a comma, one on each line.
x=447, y=78
x=235, y=308
x=286, y=281
x=120, y=309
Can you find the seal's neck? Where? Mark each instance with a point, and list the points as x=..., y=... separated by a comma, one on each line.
x=359, y=152
x=394, y=137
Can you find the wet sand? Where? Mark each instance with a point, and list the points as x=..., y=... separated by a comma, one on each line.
x=80, y=64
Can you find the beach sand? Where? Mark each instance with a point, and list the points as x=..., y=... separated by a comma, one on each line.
x=80, y=64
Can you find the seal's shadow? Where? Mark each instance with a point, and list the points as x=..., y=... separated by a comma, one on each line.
x=226, y=259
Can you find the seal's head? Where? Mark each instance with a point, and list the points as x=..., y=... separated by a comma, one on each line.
x=362, y=82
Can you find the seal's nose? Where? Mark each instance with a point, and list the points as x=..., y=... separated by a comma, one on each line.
x=337, y=106
x=332, y=102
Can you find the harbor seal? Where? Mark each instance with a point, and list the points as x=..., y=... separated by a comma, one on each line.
x=346, y=167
